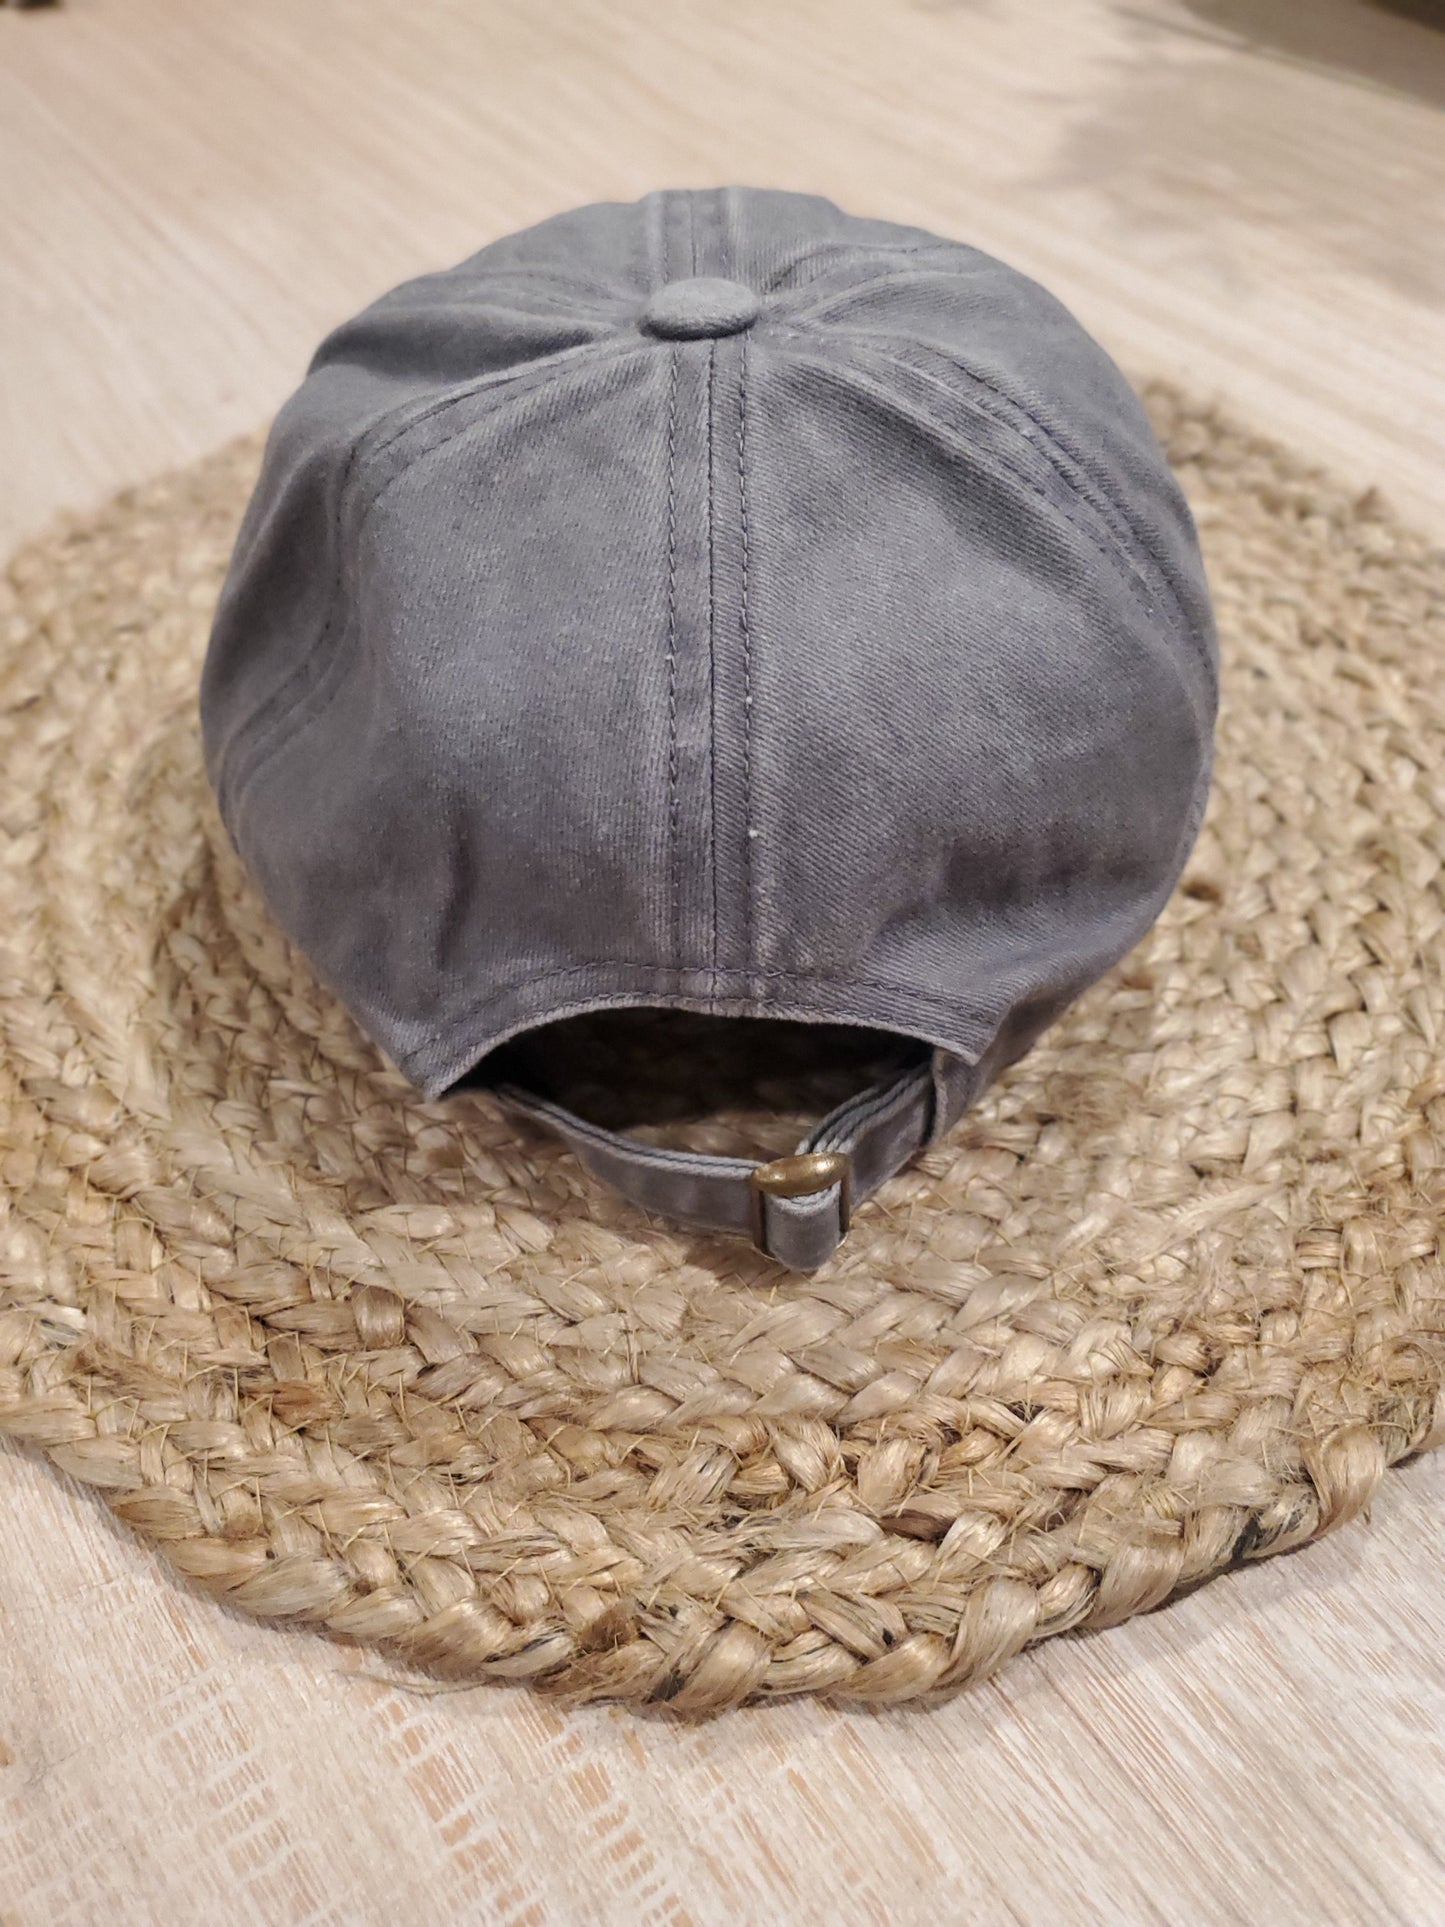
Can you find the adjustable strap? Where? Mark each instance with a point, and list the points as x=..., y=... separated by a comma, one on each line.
x=795, y=1209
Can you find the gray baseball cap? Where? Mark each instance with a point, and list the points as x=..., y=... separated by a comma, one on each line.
x=724, y=604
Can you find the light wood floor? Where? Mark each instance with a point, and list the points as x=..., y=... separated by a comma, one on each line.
x=1245, y=194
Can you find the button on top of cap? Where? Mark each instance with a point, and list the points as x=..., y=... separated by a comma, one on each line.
x=689, y=310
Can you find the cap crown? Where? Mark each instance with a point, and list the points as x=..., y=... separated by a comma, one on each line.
x=832, y=645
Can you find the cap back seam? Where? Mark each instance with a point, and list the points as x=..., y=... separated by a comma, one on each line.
x=1112, y=512
x=849, y=376
x=1105, y=508
x=233, y=781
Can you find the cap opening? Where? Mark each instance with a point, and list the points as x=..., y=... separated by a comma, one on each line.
x=729, y=1086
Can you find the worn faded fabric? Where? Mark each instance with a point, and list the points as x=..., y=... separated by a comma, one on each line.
x=724, y=603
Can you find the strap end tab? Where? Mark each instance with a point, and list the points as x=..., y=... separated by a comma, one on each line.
x=801, y=1176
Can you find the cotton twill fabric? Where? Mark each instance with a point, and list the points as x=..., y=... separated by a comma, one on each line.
x=854, y=666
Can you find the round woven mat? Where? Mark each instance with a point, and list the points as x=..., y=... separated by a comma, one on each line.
x=1170, y=1298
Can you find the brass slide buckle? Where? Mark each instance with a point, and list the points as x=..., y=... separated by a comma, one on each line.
x=799, y=1177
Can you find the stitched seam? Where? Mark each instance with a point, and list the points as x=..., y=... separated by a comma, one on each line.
x=622, y=1147
x=236, y=778
x=710, y=512
x=1055, y=451
x=1003, y=407
x=401, y=420
x=827, y=288
x=882, y=1104
x=749, y=951
x=727, y=229
x=652, y=966
x=628, y=1000
x=227, y=775
x=821, y=359
x=844, y=1125
x=855, y=247
x=1109, y=554
x=674, y=855
x=672, y=753
x=618, y=350
x=311, y=703
x=664, y=977
x=1105, y=504
x=712, y=651
x=1056, y=460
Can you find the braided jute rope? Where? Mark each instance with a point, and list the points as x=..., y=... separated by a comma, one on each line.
x=1169, y=1299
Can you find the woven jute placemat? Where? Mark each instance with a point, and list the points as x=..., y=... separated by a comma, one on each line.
x=1169, y=1299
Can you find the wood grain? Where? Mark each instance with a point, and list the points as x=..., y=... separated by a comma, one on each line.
x=1234, y=195
x=1271, y=1748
